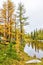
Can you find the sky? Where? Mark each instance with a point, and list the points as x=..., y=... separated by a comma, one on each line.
x=34, y=10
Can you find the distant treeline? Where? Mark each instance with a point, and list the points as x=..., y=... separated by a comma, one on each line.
x=37, y=34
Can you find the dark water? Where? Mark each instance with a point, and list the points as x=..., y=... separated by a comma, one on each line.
x=34, y=50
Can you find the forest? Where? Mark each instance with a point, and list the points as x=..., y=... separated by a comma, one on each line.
x=13, y=37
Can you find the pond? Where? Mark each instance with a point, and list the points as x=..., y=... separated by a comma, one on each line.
x=34, y=50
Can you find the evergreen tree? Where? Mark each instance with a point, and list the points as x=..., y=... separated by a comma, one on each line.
x=22, y=18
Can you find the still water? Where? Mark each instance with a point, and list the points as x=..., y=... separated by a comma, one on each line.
x=34, y=49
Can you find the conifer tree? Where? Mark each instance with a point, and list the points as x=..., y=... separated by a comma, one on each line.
x=7, y=13
x=22, y=18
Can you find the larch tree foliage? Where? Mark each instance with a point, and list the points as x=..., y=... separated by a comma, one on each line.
x=7, y=15
x=22, y=18
x=1, y=26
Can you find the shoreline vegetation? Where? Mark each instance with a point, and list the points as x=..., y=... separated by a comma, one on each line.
x=13, y=37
